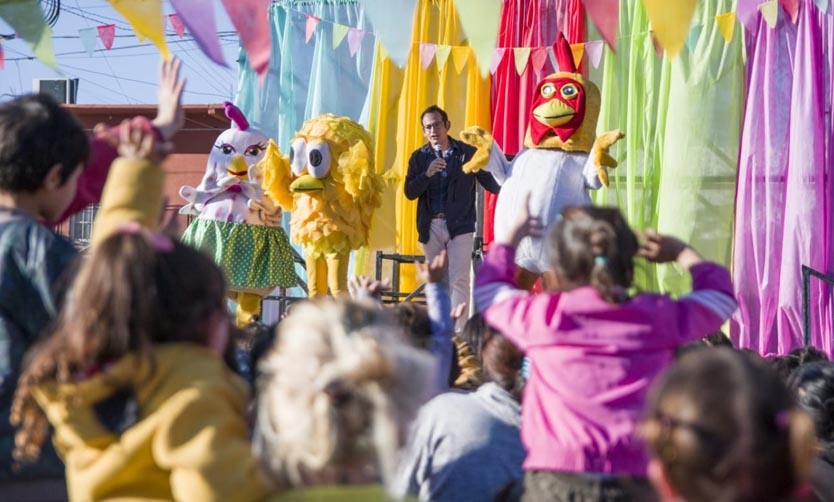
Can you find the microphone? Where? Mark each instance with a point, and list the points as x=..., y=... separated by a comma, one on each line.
x=438, y=152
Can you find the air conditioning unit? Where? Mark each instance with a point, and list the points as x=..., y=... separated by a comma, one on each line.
x=64, y=90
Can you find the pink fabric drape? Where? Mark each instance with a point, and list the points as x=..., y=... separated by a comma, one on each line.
x=525, y=23
x=785, y=189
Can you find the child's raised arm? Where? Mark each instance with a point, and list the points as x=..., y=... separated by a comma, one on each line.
x=433, y=274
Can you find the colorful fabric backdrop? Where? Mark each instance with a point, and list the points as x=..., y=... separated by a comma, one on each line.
x=727, y=144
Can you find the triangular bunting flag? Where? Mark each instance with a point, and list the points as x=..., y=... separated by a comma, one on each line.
x=670, y=22
x=145, y=17
x=726, y=25
x=393, y=22
x=198, y=17
x=441, y=54
x=177, y=24
x=578, y=51
x=692, y=38
x=551, y=54
x=822, y=5
x=427, y=54
x=88, y=40
x=792, y=8
x=339, y=33
x=310, y=27
x=26, y=19
x=521, y=55
x=355, y=37
x=497, y=57
x=480, y=20
x=538, y=56
x=2, y=58
x=594, y=51
x=460, y=56
x=747, y=12
x=251, y=20
x=770, y=12
x=605, y=14
x=107, y=33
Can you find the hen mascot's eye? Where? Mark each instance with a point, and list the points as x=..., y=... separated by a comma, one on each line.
x=570, y=91
x=548, y=90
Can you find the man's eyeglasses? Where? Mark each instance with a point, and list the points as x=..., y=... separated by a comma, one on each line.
x=434, y=125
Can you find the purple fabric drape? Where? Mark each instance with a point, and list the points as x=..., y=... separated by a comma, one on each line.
x=785, y=192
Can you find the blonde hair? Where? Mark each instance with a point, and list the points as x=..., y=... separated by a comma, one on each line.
x=338, y=389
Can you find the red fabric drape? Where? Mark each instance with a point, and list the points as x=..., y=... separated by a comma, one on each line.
x=525, y=23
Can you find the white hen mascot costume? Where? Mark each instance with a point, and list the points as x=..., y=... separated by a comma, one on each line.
x=561, y=162
x=236, y=223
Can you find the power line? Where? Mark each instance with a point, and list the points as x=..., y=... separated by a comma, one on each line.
x=71, y=53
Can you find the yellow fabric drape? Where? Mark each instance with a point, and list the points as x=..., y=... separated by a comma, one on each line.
x=400, y=95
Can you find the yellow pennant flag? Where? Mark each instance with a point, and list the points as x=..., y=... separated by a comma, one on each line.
x=441, y=55
x=460, y=56
x=339, y=32
x=26, y=19
x=670, y=22
x=145, y=16
x=578, y=51
x=770, y=12
x=726, y=25
x=480, y=20
x=522, y=55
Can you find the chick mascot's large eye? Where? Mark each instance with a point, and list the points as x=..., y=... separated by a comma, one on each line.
x=298, y=156
x=319, y=159
x=569, y=91
x=548, y=90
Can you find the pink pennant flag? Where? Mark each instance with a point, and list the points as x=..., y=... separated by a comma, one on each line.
x=792, y=8
x=312, y=22
x=497, y=57
x=176, y=24
x=107, y=32
x=252, y=24
x=594, y=51
x=198, y=17
x=538, y=57
x=605, y=14
x=2, y=58
x=355, y=36
x=427, y=54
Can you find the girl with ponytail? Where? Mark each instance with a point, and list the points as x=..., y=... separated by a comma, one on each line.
x=593, y=349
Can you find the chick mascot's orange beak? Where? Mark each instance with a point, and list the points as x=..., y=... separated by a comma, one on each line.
x=331, y=189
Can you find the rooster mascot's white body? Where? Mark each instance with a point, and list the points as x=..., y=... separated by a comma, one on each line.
x=561, y=162
x=236, y=223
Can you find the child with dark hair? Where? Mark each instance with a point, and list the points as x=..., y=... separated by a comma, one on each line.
x=594, y=349
x=814, y=383
x=42, y=153
x=787, y=364
x=134, y=383
x=722, y=427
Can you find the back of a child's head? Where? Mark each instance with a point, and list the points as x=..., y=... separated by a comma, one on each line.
x=592, y=245
x=138, y=289
x=337, y=391
x=724, y=428
x=36, y=134
x=502, y=363
x=414, y=318
x=814, y=384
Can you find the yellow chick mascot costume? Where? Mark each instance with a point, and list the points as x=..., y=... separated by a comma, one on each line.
x=235, y=222
x=331, y=189
x=562, y=159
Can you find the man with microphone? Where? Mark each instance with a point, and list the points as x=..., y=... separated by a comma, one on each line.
x=446, y=199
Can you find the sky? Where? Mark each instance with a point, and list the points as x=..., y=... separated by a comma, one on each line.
x=128, y=72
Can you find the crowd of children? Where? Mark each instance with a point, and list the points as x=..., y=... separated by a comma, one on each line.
x=119, y=377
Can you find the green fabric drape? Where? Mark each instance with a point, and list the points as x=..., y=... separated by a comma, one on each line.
x=682, y=119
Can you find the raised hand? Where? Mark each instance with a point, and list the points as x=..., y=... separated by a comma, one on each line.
x=137, y=141
x=361, y=286
x=659, y=248
x=170, y=116
x=434, y=271
x=602, y=159
x=482, y=140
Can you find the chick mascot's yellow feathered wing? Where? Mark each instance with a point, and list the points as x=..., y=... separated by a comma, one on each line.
x=331, y=189
x=561, y=162
x=236, y=223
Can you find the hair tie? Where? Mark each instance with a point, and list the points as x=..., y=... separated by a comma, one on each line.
x=600, y=261
x=783, y=420
x=157, y=241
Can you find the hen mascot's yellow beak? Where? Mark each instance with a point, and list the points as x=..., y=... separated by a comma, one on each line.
x=306, y=183
x=238, y=168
